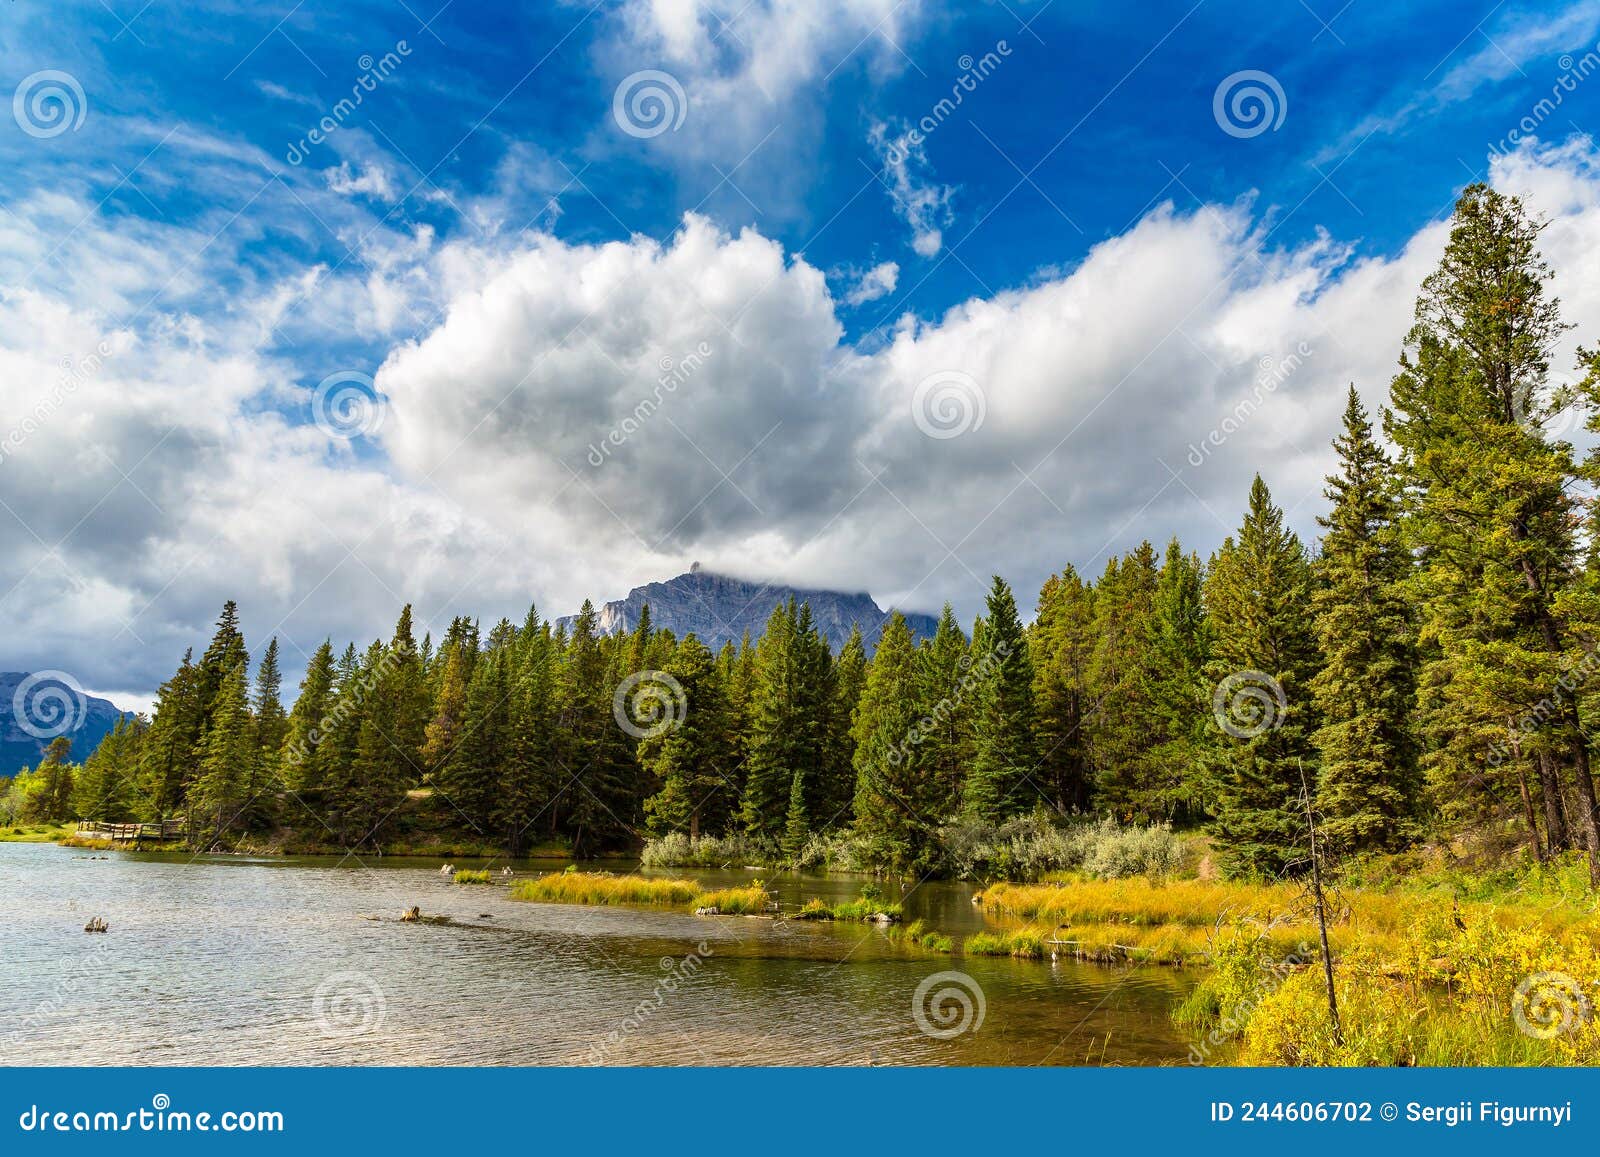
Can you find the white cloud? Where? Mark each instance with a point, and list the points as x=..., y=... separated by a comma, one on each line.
x=710, y=377
x=871, y=284
x=371, y=180
x=920, y=201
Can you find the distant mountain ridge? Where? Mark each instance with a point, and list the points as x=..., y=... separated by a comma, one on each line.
x=92, y=719
x=720, y=609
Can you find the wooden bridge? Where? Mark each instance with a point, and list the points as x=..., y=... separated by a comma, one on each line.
x=131, y=833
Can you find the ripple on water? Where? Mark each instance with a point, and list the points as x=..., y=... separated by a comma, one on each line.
x=266, y=962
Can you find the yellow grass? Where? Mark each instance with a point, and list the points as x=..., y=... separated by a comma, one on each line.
x=603, y=889
x=1176, y=922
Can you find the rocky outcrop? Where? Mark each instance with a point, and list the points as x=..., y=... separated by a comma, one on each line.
x=719, y=609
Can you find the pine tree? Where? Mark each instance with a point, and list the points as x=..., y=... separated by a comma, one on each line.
x=775, y=736
x=1004, y=759
x=1491, y=521
x=457, y=659
x=307, y=720
x=894, y=796
x=1257, y=592
x=225, y=653
x=469, y=780
x=849, y=678
x=166, y=755
x=1124, y=724
x=945, y=688
x=105, y=787
x=51, y=801
x=220, y=791
x=596, y=760
x=689, y=762
x=1367, y=787
x=270, y=724
x=528, y=767
x=1176, y=690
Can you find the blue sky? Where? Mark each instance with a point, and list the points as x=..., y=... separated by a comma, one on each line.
x=1093, y=258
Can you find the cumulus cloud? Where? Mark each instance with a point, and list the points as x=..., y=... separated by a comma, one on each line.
x=585, y=417
x=1134, y=396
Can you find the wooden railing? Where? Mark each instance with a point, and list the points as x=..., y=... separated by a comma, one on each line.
x=166, y=830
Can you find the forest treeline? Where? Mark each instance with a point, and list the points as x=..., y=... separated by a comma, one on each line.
x=1423, y=668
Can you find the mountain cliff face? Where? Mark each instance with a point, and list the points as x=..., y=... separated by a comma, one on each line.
x=720, y=609
x=93, y=719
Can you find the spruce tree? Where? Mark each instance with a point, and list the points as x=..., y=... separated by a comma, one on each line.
x=689, y=763
x=304, y=732
x=1176, y=690
x=1491, y=521
x=1367, y=787
x=1127, y=780
x=1257, y=593
x=220, y=791
x=894, y=797
x=166, y=755
x=270, y=724
x=1001, y=781
x=105, y=787
x=945, y=687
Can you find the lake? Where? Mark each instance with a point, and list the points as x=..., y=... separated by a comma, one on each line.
x=227, y=960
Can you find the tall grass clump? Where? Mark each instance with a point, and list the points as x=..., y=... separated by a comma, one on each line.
x=472, y=876
x=869, y=905
x=918, y=933
x=600, y=888
x=749, y=900
x=1024, y=943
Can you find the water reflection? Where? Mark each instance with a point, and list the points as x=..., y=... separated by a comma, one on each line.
x=228, y=960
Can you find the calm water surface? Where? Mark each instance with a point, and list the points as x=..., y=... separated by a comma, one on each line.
x=227, y=960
